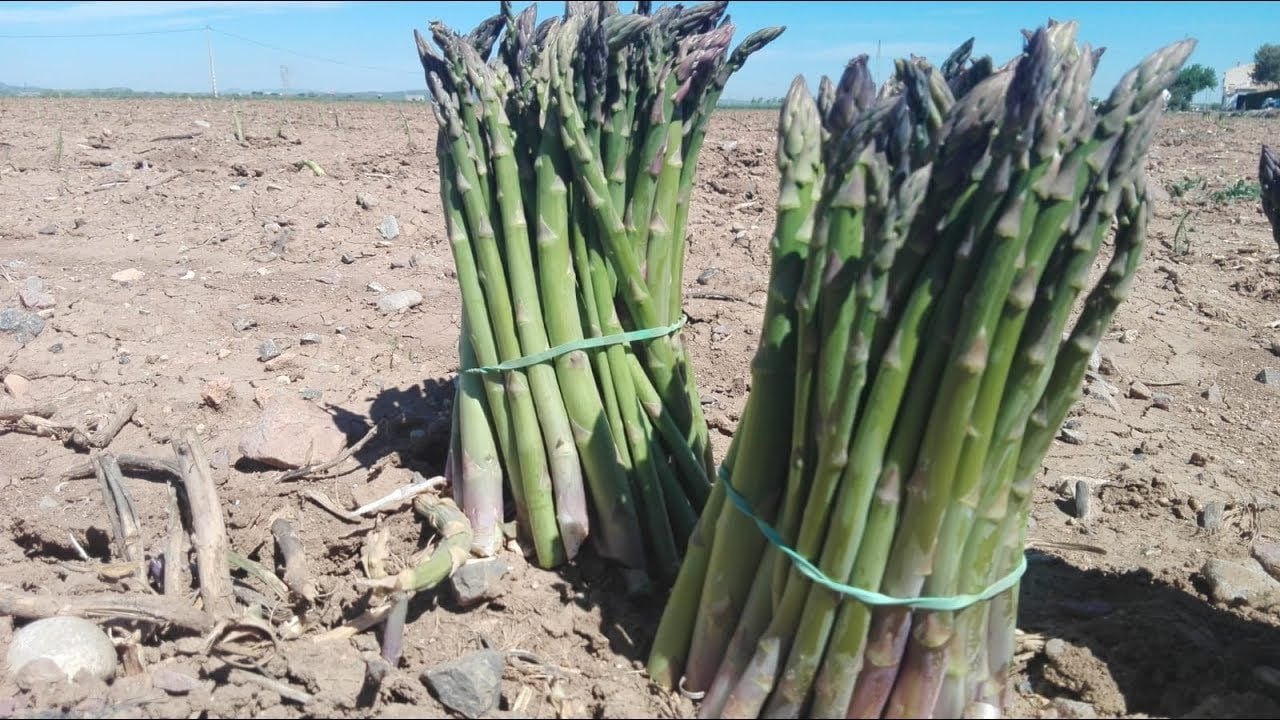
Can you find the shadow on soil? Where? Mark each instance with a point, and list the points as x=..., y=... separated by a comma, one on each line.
x=1171, y=653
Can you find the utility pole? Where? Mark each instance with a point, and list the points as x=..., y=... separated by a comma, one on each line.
x=213, y=78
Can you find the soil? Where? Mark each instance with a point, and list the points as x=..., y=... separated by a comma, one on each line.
x=1113, y=612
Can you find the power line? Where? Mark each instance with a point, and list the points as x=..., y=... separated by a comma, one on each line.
x=101, y=35
x=308, y=56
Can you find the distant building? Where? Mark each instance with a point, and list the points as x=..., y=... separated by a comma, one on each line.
x=415, y=98
x=1240, y=92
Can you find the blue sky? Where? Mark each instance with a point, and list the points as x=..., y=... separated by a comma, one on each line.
x=368, y=45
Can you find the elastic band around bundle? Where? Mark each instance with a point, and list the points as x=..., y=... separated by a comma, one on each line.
x=583, y=344
x=868, y=597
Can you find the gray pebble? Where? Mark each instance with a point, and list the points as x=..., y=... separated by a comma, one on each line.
x=1162, y=401
x=269, y=349
x=705, y=276
x=1243, y=582
x=390, y=228
x=348, y=258
x=55, y=348
x=470, y=685
x=1072, y=437
x=375, y=286
x=310, y=339
x=49, y=229
x=310, y=394
x=418, y=259
x=397, y=301
x=24, y=325
x=242, y=324
x=1268, y=376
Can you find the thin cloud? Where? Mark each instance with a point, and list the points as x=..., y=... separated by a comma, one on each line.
x=57, y=13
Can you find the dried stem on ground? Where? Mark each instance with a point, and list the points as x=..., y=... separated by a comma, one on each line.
x=161, y=610
x=208, y=528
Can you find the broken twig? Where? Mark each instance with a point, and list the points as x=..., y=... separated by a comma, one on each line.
x=296, y=574
x=126, y=462
x=107, y=430
x=308, y=469
x=124, y=518
x=208, y=528
x=162, y=610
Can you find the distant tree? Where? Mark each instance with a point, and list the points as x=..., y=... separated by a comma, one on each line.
x=1266, y=64
x=1190, y=81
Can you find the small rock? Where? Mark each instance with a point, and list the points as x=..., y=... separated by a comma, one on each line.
x=55, y=348
x=1213, y=394
x=269, y=350
x=200, y=123
x=1268, y=376
x=73, y=644
x=348, y=258
x=216, y=392
x=310, y=339
x=1275, y=347
x=729, y=146
x=33, y=295
x=1108, y=366
x=1268, y=556
x=1072, y=437
x=390, y=228
x=1211, y=517
x=1068, y=708
x=330, y=278
x=470, y=685
x=1245, y=582
x=323, y=222
x=1128, y=336
x=17, y=386
x=1083, y=495
x=281, y=362
x=50, y=229
x=365, y=202
x=1199, y=459
x=291, y=432
x=720, y=332
x=172, y=681
x=398, y=301
x=399, y=264
x=311, y=394
x=128, y=276
x=24, y=325
x=221, y=458
x=1138, y=391
x=1162, y=401
x=418, y=259
x=242, y=324
x=478, y=580
x=375, y=286
x=705, y=276
x=1095, y=359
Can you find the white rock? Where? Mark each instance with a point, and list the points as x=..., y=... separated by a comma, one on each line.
x=73, y=644
x=127, y=276
x=17, y=386
x=397, y=301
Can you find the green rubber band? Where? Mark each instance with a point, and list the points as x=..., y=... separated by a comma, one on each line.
x=583, y=344
x=811, y=571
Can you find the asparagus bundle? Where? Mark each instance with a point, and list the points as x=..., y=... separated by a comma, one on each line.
x=566, y=164
x=1269, y=178
x=931, y=243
